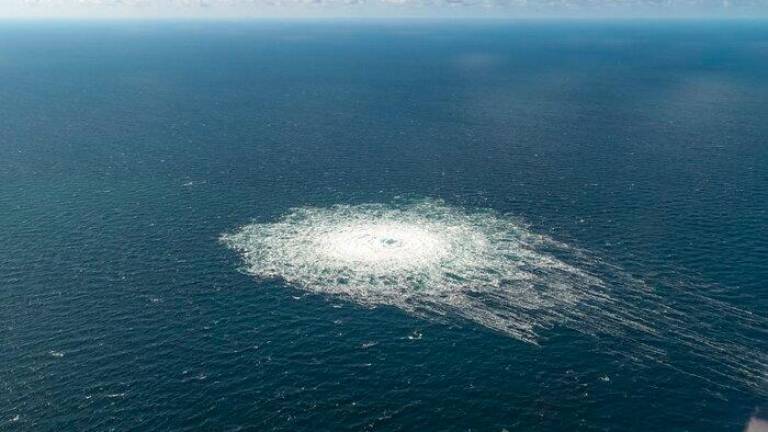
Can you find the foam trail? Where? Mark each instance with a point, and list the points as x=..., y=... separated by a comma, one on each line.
x=442, y=262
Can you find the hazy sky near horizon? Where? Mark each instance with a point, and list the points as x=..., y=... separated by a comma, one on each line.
x=380, y=8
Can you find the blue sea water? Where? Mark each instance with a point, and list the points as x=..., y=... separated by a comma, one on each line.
x=127, y=150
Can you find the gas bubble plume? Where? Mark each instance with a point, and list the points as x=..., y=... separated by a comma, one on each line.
x=437, y=261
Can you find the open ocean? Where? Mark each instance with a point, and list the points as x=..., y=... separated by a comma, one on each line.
x=572, y=218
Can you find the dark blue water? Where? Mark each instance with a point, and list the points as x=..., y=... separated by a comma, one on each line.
x=127, y=149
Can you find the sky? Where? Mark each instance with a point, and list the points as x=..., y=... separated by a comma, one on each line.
x=112, y=9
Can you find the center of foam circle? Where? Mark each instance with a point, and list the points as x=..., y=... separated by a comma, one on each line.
x=387, y=243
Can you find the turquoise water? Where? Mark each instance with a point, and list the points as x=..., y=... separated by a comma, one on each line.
x=632, y=155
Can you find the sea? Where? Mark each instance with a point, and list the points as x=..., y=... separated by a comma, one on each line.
x=383, y=225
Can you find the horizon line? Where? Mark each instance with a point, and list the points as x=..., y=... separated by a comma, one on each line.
x=442, y=18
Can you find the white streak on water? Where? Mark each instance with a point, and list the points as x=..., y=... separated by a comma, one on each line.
x=436, y=261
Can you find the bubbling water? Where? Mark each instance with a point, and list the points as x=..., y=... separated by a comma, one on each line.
x=441, y=262
x=387, y=245
x=424, y=257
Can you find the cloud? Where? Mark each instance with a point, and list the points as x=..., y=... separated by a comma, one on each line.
x=257, y=8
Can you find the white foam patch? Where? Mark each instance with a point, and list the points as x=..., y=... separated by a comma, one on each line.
x=443, y=262
x=423, y=257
